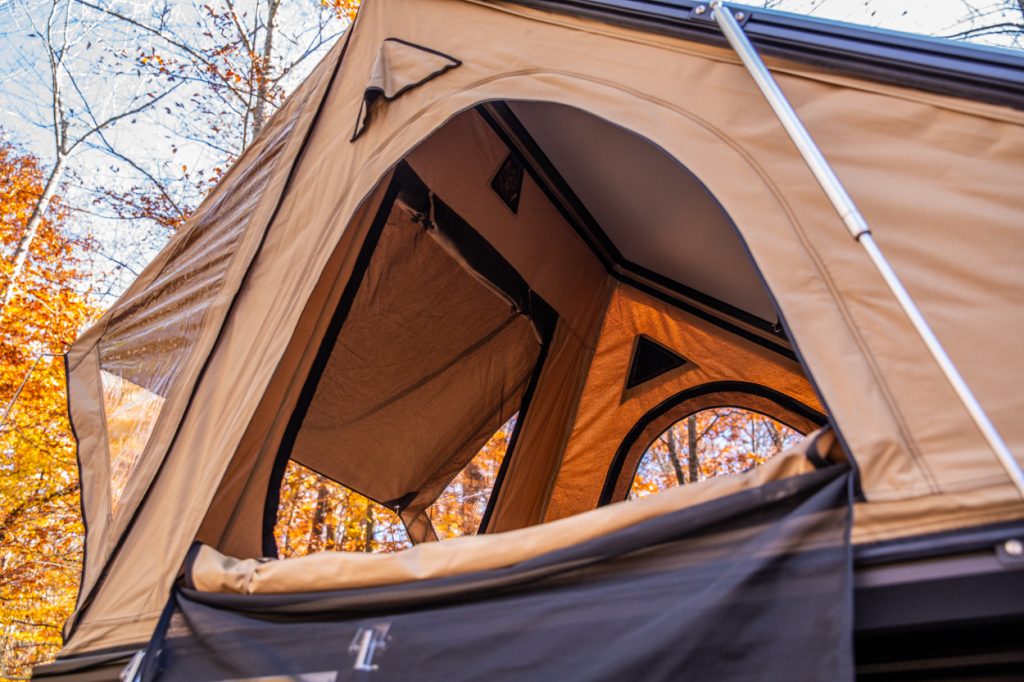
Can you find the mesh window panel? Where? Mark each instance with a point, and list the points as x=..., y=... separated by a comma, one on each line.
x=151, y=332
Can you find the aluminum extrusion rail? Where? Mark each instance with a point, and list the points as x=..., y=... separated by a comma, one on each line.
x=943, y=66
x=860, y=231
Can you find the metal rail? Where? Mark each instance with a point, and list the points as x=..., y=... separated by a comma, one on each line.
x=860, y=231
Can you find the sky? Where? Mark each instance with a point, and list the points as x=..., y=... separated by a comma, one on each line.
x=104, y=66
x=22, y=72
x=944, y=18
x=102, y=55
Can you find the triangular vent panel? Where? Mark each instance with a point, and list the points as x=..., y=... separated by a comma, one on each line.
x=400, y=67
x=650, y=360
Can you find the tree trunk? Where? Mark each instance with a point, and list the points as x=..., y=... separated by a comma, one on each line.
x=21, y=251
x=368, y=530
x=775, y=433
x=330, y=537
x=691, y=447
x=287, y=549
x=316, y=530
x=673, y=455
x=263, y=109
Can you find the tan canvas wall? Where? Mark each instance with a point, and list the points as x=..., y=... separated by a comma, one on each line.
x=929, y=173
x=131, y=374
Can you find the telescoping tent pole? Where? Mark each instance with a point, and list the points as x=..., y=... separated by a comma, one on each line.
x=859, y=230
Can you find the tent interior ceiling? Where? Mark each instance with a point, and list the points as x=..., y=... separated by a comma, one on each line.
x=658, y=216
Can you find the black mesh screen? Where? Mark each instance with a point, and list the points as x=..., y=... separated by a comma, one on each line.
x=650, y=360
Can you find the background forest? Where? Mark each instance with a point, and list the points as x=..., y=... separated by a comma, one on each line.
x=116, y=117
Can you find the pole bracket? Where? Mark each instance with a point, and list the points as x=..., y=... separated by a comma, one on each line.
x=704, y=12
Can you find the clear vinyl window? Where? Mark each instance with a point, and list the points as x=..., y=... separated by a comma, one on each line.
x=710, y=443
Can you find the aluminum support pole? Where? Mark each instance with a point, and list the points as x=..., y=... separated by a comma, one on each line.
x=858, y=228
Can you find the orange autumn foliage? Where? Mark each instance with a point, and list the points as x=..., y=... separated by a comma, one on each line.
x=40, y=518
x=729, y=440
x=316, y=514
x=343, y=8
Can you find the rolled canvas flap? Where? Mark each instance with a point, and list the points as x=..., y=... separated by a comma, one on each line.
x=212, y=571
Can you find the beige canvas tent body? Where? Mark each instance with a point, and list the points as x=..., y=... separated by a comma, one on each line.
x=472, y=209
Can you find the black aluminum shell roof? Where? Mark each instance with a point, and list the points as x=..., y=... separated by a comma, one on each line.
x=987, y=74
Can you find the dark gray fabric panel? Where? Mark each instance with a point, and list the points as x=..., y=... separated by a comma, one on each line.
x=96, y=667
x=756, y=585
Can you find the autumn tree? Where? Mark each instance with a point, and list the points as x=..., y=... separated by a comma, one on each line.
x=72, y=119
x=1000, y=22
x=40, y=521
x=317, y=514
x=715, y=442
x=460, y=509
x=992, y=22
x=236, y=60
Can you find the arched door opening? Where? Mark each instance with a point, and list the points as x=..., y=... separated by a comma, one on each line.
x=489, y=254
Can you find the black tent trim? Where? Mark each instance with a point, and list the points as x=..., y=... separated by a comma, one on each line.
x=796, y=526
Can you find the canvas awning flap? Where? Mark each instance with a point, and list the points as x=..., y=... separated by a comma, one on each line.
x=400, y=66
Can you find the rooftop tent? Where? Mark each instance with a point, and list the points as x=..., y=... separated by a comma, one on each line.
x=442, y=228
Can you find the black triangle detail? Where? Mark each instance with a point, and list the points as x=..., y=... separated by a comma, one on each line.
x=650, y=360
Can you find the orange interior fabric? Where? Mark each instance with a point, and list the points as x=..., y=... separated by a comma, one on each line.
x=608, y=409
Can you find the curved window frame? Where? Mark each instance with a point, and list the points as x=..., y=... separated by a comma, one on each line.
x=748, y=396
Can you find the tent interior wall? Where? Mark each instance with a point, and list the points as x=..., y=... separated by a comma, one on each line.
x=432, y=235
